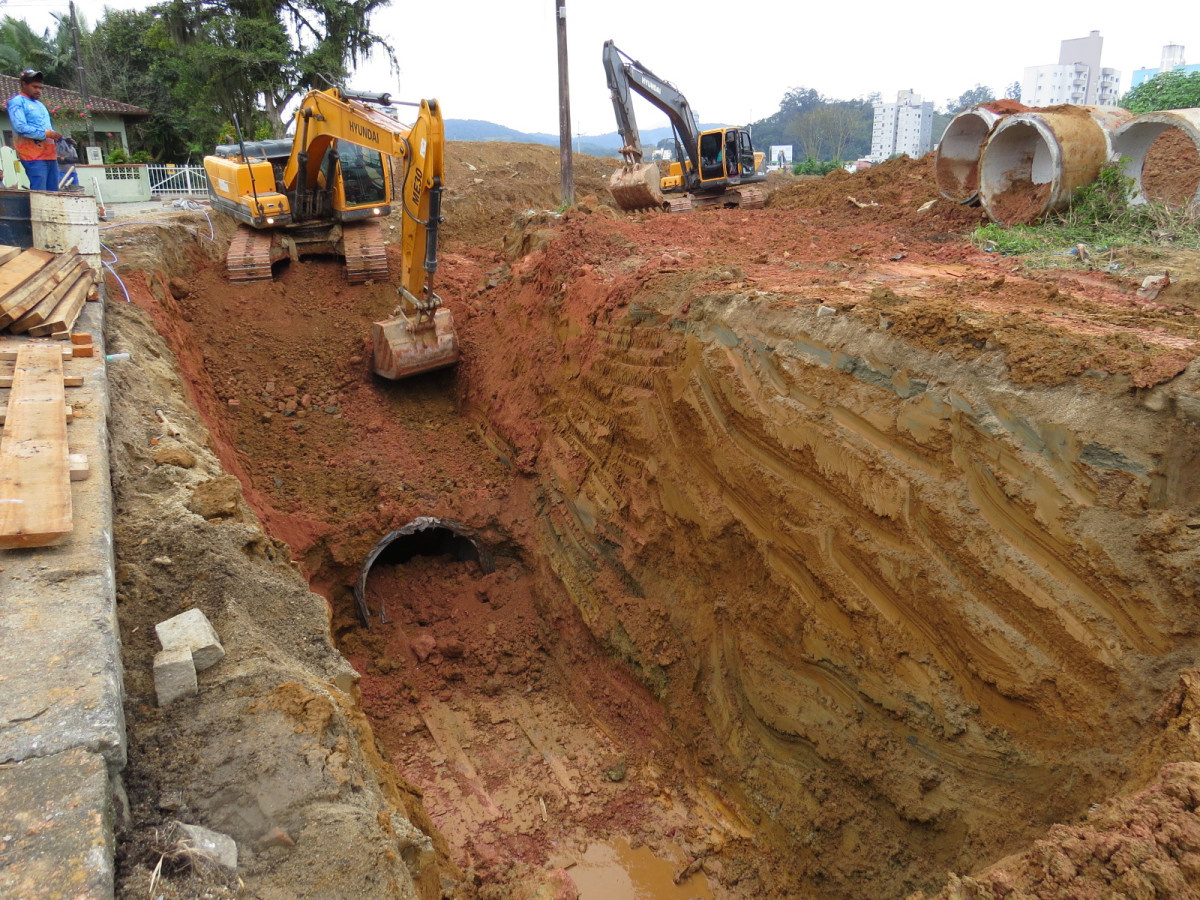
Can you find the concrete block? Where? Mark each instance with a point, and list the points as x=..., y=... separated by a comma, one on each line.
x=174, y=675
x=192, y=631
x=60, y=667
x=212, y=846
x=56, y=836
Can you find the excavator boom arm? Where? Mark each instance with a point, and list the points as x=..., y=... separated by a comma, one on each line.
x=626, y=74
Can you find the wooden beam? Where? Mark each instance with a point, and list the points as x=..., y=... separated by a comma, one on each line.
x=19, y=298
x=8, y=352
x=66, y=310
x=6, y=381
x=42, y=310
x=35, y=472
x=16, y=271
x=8, y=254
x=70, y=411
x=81, y=467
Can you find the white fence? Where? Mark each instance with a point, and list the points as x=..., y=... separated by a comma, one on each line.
x=185, y=181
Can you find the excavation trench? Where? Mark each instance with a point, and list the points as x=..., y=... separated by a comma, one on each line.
x=800, y=604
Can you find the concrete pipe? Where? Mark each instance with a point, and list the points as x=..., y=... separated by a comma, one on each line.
x=1160, y=152
x=1033, y=162
x=956, y=166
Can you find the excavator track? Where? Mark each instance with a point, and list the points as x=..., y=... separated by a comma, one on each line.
x=752, y=198
x=249, y=256
x=366, y=252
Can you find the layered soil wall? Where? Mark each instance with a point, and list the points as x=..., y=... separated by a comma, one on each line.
x=915, y=612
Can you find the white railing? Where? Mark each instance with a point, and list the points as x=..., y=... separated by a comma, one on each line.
x=183, y=180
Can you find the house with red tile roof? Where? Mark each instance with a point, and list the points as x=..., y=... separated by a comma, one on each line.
x=109, y=117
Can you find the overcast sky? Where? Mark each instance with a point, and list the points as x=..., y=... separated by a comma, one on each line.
x=497, y=59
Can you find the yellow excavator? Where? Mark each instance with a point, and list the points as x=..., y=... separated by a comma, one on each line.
x=717, y=167
x=327, y=190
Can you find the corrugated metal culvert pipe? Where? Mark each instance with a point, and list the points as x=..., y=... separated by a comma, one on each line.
x=956, y=167
x=1173, y=181
x=1034, y=161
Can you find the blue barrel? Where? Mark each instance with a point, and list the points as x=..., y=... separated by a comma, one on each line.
x=16, y=224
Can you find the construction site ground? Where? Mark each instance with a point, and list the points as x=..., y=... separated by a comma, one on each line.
x=834, y=556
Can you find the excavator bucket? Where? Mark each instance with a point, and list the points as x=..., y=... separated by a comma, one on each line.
x=410, y=345
x=637, y=187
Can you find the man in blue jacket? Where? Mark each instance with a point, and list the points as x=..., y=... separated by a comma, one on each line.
x=32, y=133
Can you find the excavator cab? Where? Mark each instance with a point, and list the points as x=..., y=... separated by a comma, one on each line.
x=364, y=180
x=712, y=156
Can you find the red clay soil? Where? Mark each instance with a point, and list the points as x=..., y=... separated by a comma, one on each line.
x=1171, y=170
x=331, y=458
x=1005, y=107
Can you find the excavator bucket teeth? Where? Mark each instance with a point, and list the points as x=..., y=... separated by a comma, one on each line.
x=406, y=346
x=636, y=187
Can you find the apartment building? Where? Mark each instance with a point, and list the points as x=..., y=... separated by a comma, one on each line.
x=905, y=126
x=1077, y=78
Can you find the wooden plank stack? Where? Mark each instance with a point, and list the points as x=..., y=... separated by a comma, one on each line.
x=42, y=293
x=35, y=465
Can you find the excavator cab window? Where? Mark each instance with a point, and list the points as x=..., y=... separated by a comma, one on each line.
x=745, y=153
x=362, y=175
x=712, y=156
x=731, y=153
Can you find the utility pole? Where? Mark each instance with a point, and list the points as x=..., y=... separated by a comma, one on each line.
x=566, y=160
x=83, y=91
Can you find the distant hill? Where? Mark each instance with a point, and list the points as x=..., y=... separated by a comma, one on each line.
x=591, y=144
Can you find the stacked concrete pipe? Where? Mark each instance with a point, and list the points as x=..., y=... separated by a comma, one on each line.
x=1132, y=142
x=956, y=166
x=1034, y=161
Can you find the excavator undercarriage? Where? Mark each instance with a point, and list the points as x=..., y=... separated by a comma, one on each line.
x=637, y=187
x=252, y=253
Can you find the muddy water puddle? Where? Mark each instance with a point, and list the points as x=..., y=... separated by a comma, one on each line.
x=616, y=871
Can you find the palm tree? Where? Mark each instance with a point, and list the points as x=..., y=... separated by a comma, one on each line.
x=21, y=48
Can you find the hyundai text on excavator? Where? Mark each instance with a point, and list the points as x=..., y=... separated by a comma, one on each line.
x=712, y=168
x=327, y=190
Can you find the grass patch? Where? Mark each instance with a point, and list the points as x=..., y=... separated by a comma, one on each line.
x=1102, y=219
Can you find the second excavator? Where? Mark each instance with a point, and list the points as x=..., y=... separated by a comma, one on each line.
x=717, y=167
x=327, y=190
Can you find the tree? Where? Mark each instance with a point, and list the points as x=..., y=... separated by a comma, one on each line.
x=822, y=127
x=1172, y=89
x=130, y=57
x=21, y=48
x=978, y=94
x=807, y=130
x=260, y=55
x=1013, y=91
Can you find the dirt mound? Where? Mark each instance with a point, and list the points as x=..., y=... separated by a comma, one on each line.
x=488, y=182
x=892, y=194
